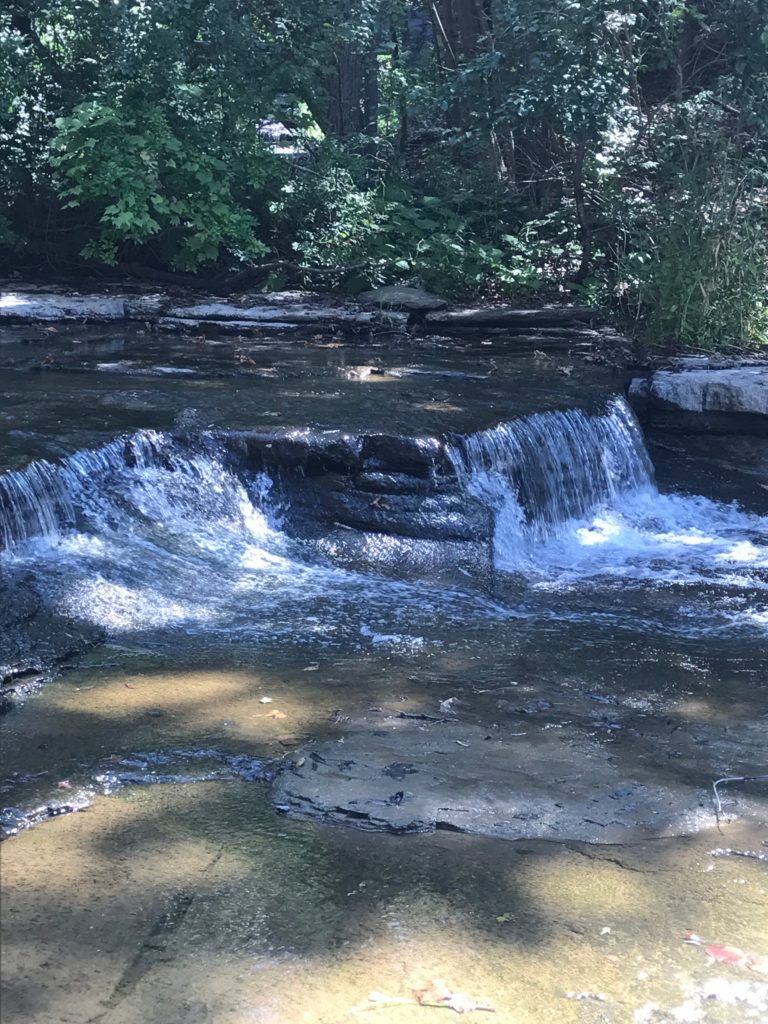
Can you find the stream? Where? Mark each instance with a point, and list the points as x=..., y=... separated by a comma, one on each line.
x=403, y=665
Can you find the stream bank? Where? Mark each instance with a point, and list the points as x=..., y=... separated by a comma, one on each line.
x=393, y=309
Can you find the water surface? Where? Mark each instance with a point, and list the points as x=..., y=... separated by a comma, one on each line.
x=621, y=607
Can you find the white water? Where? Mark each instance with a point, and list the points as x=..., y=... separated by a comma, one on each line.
x=145, y=536
x=575, y=503
x=173, y=539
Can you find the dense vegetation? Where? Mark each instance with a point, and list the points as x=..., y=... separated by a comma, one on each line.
x=612, y=149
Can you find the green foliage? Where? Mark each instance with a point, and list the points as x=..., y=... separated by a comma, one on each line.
x=694, y=266
x=146, y=182
x=703, y=280
x=604, y=149
x=391, y=233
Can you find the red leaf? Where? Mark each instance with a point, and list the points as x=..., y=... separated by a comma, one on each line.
x=727, y=955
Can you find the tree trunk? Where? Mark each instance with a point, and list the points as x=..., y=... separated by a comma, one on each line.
x=585, y=233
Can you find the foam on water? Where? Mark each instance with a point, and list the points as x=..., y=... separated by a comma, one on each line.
x=575, y=501
x=149, y=535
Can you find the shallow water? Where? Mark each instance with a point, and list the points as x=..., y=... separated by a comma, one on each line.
x=101, y=382
x=199, y=904
x=639, y=625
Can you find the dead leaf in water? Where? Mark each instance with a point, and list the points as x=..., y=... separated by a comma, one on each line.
x=435, y=991
x=738, y=958
x=725, y=954
x=729, y=954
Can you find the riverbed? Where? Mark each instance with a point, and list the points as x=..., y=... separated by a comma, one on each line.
x=310, y=774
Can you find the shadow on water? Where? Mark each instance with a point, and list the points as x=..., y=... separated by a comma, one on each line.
x=201, y=903
x=197, y=903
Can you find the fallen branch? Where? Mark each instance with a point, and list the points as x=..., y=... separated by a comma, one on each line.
x=436, y=995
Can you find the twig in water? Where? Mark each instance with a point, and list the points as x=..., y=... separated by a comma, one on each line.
x=731, y=778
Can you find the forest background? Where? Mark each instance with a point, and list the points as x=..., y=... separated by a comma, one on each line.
x=613, y=152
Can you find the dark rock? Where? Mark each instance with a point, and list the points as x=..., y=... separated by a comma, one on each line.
x=34, y=639
x=312, y=451
x=399, y=454
x=444, y=514
x=458, y=779
x=393, y=483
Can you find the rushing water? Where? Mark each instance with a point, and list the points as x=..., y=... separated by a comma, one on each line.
x=151, y=532
x=622, y=629
x=575, y=501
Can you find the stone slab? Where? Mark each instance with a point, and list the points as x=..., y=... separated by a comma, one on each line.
x=739, y=389
x=418, y=775
x=471, y=318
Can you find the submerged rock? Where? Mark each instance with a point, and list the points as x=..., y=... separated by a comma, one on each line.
x=33, y=639
x=456, y=776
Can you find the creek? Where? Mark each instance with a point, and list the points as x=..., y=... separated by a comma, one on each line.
x=447, y=597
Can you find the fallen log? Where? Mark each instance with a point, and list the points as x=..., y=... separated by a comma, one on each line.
x=472, y=318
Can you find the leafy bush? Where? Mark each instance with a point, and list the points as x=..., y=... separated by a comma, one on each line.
x=388, y=232
x=703, y=283
x=695, y=268
x=610, y=149
x=144, y=181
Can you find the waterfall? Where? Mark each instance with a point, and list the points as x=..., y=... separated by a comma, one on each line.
x=44, y=498
x=543, y=472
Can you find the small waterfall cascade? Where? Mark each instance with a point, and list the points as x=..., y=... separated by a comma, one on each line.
x=46, y=497
x=543, y=472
